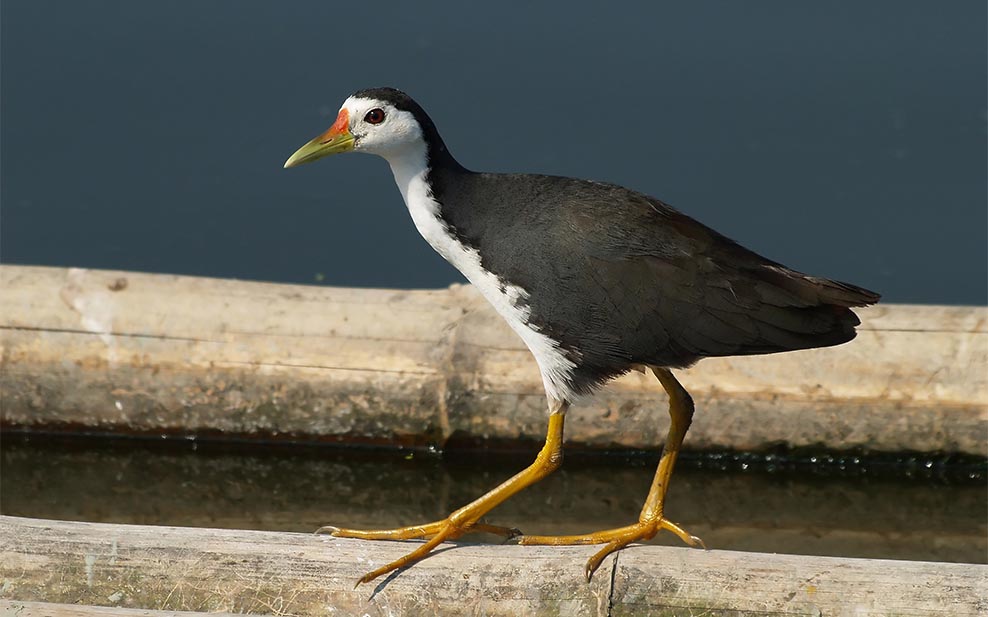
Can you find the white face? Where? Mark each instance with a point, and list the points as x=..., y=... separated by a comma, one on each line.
x=379, y=128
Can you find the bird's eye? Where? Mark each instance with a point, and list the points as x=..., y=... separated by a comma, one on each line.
x=374, y=116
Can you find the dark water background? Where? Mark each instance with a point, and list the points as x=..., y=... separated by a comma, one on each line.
x=845, y=139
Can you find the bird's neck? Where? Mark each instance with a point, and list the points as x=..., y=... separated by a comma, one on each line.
x=421, y=182
x=415, y=167
x=410, y=166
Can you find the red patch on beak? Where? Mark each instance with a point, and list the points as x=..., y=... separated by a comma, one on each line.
x=342, y=125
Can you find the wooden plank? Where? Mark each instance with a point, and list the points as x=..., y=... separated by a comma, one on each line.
x=159, y=354
x=232, y=571
x=15, y=608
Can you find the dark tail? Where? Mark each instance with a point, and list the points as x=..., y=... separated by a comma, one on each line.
x=798, y=311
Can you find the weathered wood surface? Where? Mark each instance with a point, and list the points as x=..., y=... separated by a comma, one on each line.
x=16, y=608
x=144, y=353
x=213, y=570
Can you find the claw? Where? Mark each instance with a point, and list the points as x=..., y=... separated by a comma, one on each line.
x=331, y=530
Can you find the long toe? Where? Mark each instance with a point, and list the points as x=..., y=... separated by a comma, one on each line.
x=401, y=533
x=437, y=532
x=614, y=539
x=415, y=532
x=449, y=530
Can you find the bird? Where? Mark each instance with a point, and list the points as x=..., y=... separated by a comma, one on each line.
x=597, y=280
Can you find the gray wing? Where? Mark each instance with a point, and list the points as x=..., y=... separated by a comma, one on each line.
x=624, y=279
x=656, y=284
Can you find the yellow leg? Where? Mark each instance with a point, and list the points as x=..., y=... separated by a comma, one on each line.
x=464, y=520
x=650, y=521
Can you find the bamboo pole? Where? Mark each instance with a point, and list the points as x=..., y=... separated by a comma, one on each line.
x=16, y=608
x=157, y=354
x=235, y=571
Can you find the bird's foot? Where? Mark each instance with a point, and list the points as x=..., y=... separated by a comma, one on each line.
x=437, y=532
x=615, y=539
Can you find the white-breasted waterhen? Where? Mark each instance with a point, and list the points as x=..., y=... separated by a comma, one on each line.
x=597, y=280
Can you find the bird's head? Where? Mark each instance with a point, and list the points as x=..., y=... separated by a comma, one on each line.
x=381, y=121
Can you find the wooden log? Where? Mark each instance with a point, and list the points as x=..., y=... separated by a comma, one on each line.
x=157, y=354
x=15, y=608
x=233, y=571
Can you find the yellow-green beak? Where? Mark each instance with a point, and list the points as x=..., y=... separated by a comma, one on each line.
x=334, y=141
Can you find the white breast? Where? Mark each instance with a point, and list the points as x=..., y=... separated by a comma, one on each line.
x=508, y=300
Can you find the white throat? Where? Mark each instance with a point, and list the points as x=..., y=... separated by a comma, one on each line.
x=410, y=167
